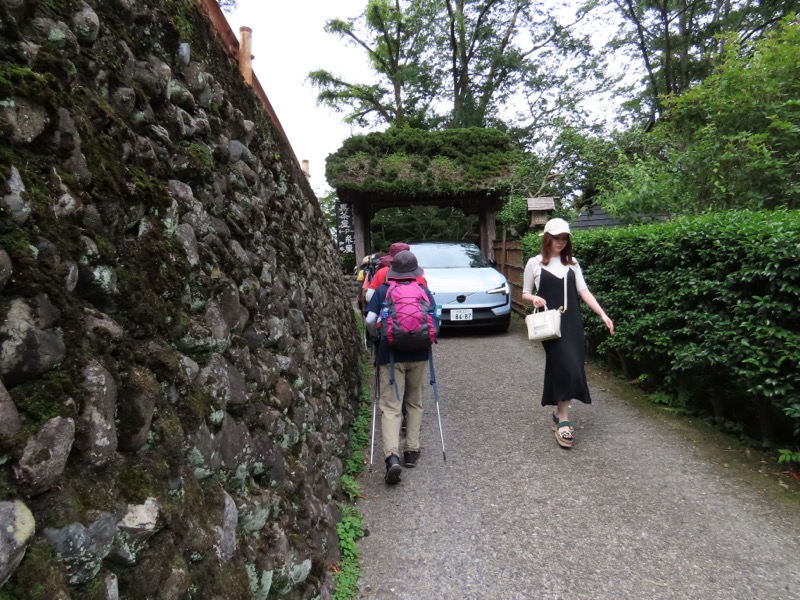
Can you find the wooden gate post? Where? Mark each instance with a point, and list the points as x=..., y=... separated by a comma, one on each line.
x=361, y=224
x=487, y=231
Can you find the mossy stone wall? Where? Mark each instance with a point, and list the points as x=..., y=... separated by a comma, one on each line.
x=178, y=350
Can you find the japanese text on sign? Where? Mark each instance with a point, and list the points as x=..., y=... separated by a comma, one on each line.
x=345, y=233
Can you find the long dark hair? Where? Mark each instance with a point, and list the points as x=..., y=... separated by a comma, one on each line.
x=566, y=251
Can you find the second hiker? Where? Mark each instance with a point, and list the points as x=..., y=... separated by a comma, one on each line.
x=401, y=316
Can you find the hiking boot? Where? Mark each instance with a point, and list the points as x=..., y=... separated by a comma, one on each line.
x=393, y=469
x=410, y=458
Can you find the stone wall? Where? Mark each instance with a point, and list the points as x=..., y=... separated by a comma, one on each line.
x=178, y=350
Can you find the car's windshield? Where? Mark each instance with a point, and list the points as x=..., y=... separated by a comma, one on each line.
x=449, y=256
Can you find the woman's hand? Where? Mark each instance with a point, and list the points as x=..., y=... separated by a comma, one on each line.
x=592, y=302
x=537, y=301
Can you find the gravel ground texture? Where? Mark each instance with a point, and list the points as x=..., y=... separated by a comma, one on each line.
x=645, y=504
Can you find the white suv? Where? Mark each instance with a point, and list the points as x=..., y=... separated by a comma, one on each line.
x=470, y=291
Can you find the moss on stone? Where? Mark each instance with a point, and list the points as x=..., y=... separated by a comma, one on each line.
x=16, y=241
x=169, y=435
x=38, y=577
x=36, y=272
x=194, y=407
x=51, y=395
x=50, y=59
x=153, y=567
x=142, y=476
x=194, y=163
x=22, y=81
x=109, y=174
x=57, y=8
x=182, y=18
x=98, y=492
x=8, y=489
x=146, y=189
x=151, y=278
x=94, y=589
x=223, y=580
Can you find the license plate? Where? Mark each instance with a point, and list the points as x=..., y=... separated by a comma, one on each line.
x=461, y=314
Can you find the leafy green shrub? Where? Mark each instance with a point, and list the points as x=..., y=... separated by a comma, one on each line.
x=514, y=215
x=350, y=487
x=350, y=530
x=347, y=262
x=789, y=457
x=360, y=429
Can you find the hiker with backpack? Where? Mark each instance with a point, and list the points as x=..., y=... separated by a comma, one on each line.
x=380, y=275
x=372, y=264
x=401, y=317
x=379, y=278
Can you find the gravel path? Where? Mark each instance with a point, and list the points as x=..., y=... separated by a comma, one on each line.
x=643, y=506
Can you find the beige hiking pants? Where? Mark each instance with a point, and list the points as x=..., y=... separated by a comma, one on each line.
x=409, y=377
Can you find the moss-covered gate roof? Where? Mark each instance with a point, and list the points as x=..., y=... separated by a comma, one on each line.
x=410, y=166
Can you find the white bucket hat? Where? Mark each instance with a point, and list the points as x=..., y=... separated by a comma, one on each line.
x=556, y=227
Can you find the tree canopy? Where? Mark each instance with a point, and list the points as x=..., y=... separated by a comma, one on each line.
x=228, y=5
x=458, y=63
x=732, y=141
x=700, y=114
x=677, y=43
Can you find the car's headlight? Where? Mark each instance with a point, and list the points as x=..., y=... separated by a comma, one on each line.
x=503, y=289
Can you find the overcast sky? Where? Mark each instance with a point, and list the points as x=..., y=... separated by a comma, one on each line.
x=289, y=41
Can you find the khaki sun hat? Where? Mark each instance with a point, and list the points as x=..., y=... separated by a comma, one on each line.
x=404, y=266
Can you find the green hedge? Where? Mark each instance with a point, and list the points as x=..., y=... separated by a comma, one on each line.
x=706, y=310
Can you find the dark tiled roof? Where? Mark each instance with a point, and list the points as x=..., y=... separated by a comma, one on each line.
x=595, y=216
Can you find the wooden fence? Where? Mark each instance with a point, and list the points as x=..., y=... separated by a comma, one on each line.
x=509, y=262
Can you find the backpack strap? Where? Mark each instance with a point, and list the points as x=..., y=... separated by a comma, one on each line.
x=392, y=379
x=386, y=299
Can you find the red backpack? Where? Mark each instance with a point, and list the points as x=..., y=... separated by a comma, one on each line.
x=408, y=316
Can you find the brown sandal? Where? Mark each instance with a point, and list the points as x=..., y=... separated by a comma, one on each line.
x=554, y=424
x=563, y=431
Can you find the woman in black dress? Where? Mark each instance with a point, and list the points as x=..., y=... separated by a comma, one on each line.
x=564, y=373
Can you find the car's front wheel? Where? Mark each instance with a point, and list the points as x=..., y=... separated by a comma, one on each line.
x=502, y=326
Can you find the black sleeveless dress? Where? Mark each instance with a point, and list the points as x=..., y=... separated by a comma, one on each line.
x=564, y=372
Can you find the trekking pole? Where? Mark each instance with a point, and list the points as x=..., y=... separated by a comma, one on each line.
x=374, y=411
x=366, y=331
x=436, y=399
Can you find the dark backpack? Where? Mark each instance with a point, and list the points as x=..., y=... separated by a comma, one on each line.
x=372, y=268
x=408, y=317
